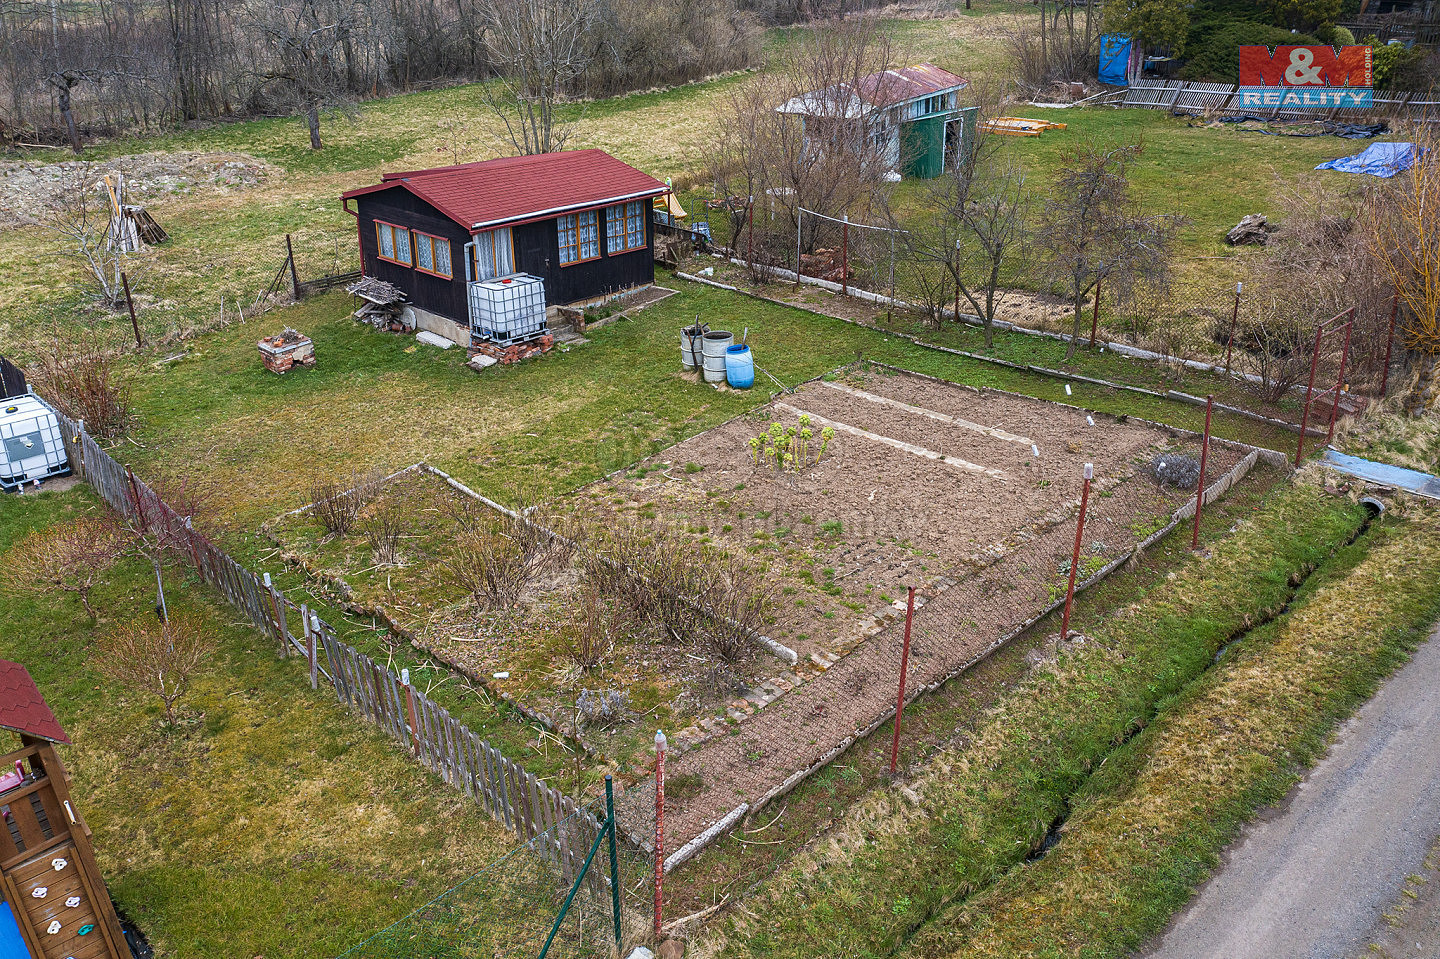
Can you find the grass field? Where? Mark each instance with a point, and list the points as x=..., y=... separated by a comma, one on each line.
x=231, y=243
x=270, y=821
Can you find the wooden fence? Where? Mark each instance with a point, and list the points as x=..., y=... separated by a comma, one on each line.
x=12, y=379
x=560, y=831
x=1184, y=96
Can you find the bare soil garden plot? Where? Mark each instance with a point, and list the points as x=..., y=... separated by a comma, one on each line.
x=924, y=483
x=930, y=484
x=524, y=651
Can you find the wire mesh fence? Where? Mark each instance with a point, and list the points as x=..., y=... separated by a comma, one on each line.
x=520, y=903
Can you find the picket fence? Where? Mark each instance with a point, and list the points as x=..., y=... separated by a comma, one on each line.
x=561, y=831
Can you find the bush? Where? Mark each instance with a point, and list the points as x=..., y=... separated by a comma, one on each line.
x=157, y=658
x=1214, y=55
x=495, y=557
x=70, y=557
x=78, y=377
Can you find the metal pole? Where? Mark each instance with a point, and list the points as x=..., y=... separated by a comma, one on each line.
x=1200, y=484
x=410, y=711
x=614, y=859
x=1340, y=380
x=904, y=667
x=565, y=908
x=1095, y=319
x=1075, y=556
x=130, y=303
x=799, y=229
x=290, y=258
x=845, y=257
x=1389, y=342
x=750, y=250
x=659, y=825
x=890, y=310
x=1309, y=387
x=281, y=632
x=1234, y=316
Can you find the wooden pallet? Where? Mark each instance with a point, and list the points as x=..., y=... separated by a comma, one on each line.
x=1018, y=126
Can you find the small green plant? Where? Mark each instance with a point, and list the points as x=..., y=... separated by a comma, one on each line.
x=789, y=448
x=832, y=528
x=693, y=467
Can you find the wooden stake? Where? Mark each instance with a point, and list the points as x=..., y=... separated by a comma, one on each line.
x=659, y=825
x=130, y=303
x=290, y=258
x=1075, y=556
x=904, y=668
x=1200, y=484
x=410, y=712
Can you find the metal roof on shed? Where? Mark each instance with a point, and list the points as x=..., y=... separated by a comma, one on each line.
x=519, y=189
x=22, y=708
x=886, y=88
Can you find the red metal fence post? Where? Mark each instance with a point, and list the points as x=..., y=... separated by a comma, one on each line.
x=904, y=667
x=1389, y=343
x=1305, y=417
x=659, y=825
x=1200, y=484
x=1075, y=556
x=1095, y=318
x=1340, y=379
x=1234, y=317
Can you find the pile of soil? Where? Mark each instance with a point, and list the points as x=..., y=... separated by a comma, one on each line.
x=28, y=190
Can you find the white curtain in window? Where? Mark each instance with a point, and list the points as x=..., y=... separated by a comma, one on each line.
x=494, y=255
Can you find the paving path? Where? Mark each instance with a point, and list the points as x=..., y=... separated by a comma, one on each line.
x=1312, y=879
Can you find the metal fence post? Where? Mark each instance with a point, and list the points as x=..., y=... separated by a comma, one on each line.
x=799, y=229
x=845, y=257
x=1309, y=388
x=1075, y=556
x=904, y=667
x=130, y=303
x=750, y=250
x=294, y=274
x=659, y=826
x=309, y=635
x=614, y=857
x=281, y=632
x=1095, y=317
x=1200, y=484
x=410, y=711
x=1340, y=379
x=1234, y=317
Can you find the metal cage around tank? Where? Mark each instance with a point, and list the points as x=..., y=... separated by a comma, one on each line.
x=507, y=309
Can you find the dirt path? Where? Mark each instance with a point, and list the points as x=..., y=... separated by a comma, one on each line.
x=1313, y=878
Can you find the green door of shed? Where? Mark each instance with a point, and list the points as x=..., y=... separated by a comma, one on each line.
x=922, y=147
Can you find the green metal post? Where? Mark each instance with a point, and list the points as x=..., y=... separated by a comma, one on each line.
x=614, y=861
x=594, y=848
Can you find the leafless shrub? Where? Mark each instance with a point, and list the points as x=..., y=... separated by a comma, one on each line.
x=78, y=376
x=337, y=503
x=496, y=555
x=384, y=530
x=157, y=658
x=602, y=621
x=69, y=557
x=737, y=603
x=1277, y=350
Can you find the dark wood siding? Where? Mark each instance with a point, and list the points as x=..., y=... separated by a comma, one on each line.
x=403, y=208
x=537, y=251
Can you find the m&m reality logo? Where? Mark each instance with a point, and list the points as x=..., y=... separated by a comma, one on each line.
x=1305, y=76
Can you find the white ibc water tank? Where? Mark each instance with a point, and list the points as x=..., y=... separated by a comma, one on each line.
x=31, y=447
x=508, y=308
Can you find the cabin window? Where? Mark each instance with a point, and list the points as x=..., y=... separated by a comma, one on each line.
x=394, y=243
x=432, y=255
x=624, y=227
x=579, y=237
x=494, y=254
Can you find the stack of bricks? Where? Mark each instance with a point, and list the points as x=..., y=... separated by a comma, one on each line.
x=515, y=352
x=285, y=350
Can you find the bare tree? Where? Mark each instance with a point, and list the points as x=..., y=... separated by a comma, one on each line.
x=1404, y=227
x=806, y=134
x=159, y=658
x=81, y=218
x=538, y=48
x=68, y=558
x=1091, y=230
x=306, y=42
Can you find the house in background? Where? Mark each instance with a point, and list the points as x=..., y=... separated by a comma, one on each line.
x=912, y=115
x=482, y=249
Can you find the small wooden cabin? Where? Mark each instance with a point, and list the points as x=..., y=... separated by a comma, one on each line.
x=451, y=237
x=55, y=904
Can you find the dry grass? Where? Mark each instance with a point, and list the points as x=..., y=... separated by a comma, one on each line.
x=1131, y=854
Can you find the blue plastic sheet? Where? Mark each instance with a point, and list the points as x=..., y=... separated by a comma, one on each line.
x=1378, y=159
x=1115, y=60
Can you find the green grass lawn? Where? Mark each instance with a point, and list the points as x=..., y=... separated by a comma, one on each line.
x=270, y=822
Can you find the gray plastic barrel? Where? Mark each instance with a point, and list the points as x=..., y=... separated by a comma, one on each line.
x=716, y=344
x=690, y=348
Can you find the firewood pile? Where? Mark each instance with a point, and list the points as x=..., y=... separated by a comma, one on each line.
x=384, y=306
x=824, y=264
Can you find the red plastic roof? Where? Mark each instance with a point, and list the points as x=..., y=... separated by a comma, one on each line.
x=22, y=708
x=519, y=189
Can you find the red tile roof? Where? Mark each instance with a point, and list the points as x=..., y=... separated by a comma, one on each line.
x=22, y=708
x=520, y=189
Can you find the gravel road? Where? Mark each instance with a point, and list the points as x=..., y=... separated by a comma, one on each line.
x=1312, y=877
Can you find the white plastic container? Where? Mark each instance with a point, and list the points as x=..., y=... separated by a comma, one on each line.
x=31, y=446
x=508, y=309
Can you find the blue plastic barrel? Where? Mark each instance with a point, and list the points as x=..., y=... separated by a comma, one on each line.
x=739, y=367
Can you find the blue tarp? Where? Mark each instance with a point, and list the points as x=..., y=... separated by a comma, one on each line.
x=1115, y=60
x=1378, y=159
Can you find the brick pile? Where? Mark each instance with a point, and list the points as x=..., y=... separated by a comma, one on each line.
x=515, y=352
x=285, y=350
